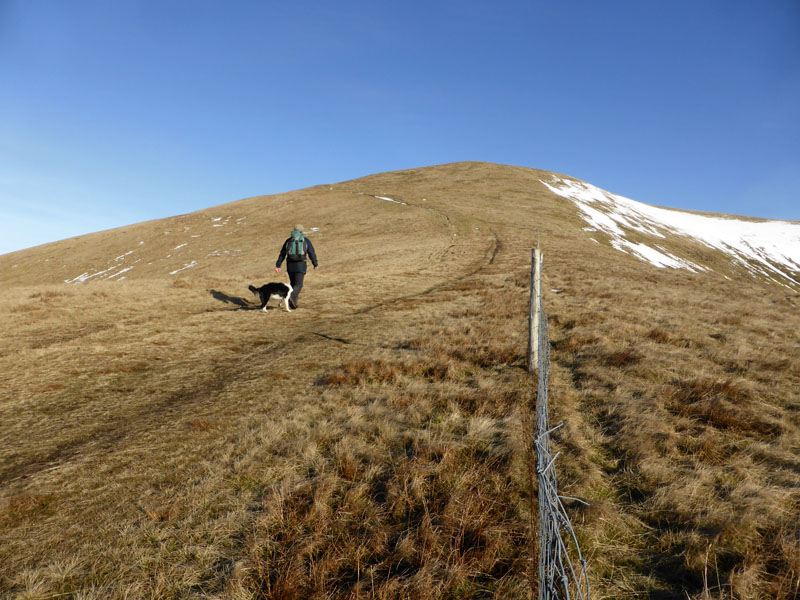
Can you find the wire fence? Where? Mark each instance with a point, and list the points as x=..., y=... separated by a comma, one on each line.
x=559, y=576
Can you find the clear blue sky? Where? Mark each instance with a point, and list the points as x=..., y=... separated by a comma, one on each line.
x=115, y=112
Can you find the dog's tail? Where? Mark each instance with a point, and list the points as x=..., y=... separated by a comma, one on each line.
x=251, y=288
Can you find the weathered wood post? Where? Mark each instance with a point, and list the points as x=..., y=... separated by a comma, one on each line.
x=531, y=361
x=534, y=309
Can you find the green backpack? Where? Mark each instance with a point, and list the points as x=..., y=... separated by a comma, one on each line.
x=297, y=247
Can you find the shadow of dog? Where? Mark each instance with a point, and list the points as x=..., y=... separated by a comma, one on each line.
x=242, y=303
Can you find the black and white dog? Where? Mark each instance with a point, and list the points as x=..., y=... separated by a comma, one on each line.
x=279, y=291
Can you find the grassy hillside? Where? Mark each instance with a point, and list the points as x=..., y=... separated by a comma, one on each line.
x=161, y=437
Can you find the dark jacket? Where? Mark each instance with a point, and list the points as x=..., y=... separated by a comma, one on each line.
x=299, y=266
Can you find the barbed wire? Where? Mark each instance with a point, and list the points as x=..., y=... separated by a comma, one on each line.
x=559, y=577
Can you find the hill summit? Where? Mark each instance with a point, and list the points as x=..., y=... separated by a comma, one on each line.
x=768, y=249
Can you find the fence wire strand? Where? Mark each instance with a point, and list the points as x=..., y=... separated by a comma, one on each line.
x=560, y=578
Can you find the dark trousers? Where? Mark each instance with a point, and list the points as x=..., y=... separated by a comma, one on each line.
x=296, y=279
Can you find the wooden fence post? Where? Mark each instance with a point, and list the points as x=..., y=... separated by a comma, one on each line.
x=534, y=309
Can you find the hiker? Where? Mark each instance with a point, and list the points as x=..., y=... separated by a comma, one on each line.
x=295, y=250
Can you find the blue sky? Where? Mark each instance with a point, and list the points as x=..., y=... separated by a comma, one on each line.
x=113, y=113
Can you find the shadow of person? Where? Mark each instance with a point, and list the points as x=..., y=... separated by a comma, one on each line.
x=242, y=303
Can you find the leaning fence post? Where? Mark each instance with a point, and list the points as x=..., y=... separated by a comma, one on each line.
x=534, y=309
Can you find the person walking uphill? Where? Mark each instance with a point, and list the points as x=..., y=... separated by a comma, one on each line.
x=295, y=250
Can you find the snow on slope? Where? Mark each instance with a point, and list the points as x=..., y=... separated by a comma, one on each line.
x=118, y=265
x=768, y=248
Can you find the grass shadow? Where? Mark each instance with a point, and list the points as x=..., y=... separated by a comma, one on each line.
x=242, y=303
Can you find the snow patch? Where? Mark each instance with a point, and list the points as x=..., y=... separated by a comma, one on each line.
x=659, y=257
x=184, y=267
x=118, y=273
x=84, y=277
x=390, y=200
x=121, y=256
x=217, y=220
x=109, y=273
x=768, y=248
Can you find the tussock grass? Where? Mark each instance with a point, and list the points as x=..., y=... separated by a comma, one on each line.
x=419, y=518
x=685, y=437
x=620, y=358
x=382, y=371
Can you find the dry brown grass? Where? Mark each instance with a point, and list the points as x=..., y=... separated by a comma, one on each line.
x=161, y=438
x=689, y=420
x=164, y=439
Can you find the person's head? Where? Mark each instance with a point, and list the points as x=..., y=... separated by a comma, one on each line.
x=298, y=228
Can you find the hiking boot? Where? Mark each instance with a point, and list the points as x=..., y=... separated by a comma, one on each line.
x=292, y=304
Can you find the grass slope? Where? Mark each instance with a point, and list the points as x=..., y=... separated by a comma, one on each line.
x=160, y=437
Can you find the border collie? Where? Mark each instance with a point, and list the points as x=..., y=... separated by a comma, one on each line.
x=279, y=291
